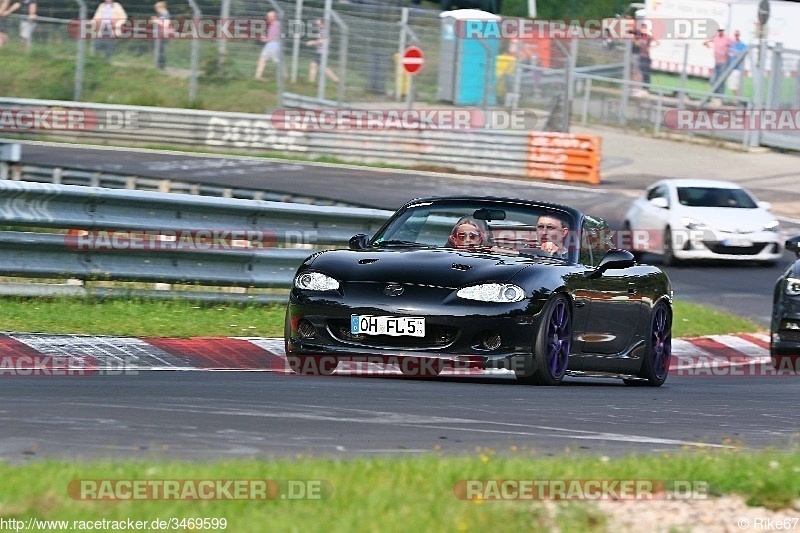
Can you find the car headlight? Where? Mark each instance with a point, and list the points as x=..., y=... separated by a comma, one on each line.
x=772, y=226
x=793, y=286
x=315, y=281
x=692, y=223
x=492, y=292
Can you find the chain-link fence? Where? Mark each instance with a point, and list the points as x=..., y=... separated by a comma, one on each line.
x=783, y=93
x=557, y=80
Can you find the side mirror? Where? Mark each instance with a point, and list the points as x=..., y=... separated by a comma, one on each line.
x=766, y=206
x=358, y=242
x=660, y=202
x=613, y=260
x=793, y=245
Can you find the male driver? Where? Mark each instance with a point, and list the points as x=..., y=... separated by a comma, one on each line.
x=552, y=232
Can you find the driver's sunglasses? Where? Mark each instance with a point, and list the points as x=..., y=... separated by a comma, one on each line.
x=461, y=235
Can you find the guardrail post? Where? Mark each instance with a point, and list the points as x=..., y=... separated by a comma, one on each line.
x=10, y=153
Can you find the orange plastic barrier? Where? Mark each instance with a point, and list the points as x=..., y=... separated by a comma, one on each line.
x=564, y=156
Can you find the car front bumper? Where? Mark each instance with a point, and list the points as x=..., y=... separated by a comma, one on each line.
x=460, y=334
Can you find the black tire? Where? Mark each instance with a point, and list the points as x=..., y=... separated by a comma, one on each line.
x=549, y=359
x=658, y=352
x=669, y=251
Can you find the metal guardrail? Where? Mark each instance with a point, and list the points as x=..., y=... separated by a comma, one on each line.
x=247, y=243
x=67, y=176
x=497, y=152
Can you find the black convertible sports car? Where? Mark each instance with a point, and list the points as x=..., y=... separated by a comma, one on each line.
x=785, y=329
x=533, y=287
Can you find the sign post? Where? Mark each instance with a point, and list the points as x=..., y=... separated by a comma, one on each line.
x=412, y=62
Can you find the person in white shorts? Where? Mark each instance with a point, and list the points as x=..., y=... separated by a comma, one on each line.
x=272, y=46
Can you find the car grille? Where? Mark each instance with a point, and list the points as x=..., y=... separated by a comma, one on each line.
x=718, y=248
x=791, y=335
x=435, y=337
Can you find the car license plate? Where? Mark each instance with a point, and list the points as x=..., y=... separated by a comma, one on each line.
x=744, y=243
x=387, y=325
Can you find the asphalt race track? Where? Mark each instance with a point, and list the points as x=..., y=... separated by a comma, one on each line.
x=194, y=415
x=222, y=415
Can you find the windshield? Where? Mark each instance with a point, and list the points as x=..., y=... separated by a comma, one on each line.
x=480, y=226
x=715, y=197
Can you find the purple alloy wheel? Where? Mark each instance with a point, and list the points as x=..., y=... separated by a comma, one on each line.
x=559, y=337
x=661, y=342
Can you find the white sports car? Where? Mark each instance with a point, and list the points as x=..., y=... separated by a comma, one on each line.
x=703, y=219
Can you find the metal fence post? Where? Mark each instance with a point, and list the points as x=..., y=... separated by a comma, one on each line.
x=298, y=15
x=758, y=88
x=684, y=76
x=323, y=66
x=623, y=106
x=401, y=47
x=775, y=77
x=659, y=109
x=344, y=43
x=587, y=95
x=224, y=13
x=195, y=55
x=79, y=60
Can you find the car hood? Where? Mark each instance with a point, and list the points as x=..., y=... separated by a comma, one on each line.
x=439, y=267
x=729, y=219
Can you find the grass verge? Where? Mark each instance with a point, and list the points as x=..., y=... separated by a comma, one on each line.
x=186, y=319
x=377, y=494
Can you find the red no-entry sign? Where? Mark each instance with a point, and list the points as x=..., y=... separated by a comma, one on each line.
x=413, y=59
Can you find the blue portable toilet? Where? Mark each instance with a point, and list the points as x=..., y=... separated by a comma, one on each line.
x=468, y=52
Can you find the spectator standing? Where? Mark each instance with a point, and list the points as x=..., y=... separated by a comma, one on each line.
x=162, y=19
x=321, y=43
x=109, y=16
x=27, y=24
x=720, y=43
x=645, y=41
x=5, y=10
x=735, y=50
x=272, y=45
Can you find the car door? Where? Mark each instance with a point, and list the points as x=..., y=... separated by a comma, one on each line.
x=614, y=298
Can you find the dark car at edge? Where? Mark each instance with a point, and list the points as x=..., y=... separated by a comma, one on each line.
x=785, y=324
